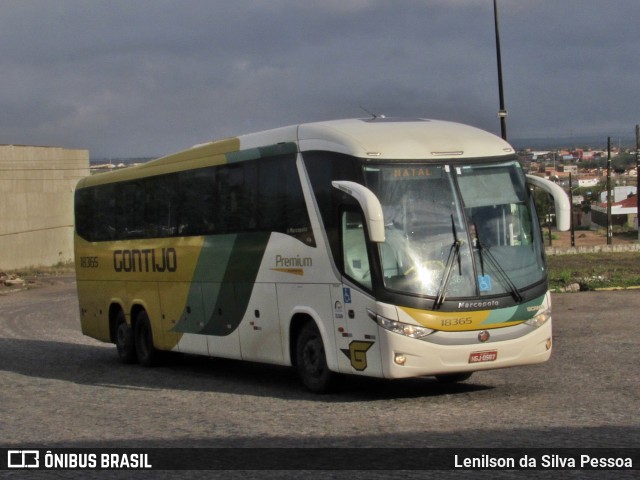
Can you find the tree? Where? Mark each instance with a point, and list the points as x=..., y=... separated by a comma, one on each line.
x=591, y=195
x=544, y=206
x=546, y=209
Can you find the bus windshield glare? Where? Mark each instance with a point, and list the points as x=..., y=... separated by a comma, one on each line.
x=457, y=230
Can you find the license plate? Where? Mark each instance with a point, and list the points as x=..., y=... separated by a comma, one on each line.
x=486, y=356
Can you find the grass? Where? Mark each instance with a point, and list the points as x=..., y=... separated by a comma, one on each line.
x=594, y=270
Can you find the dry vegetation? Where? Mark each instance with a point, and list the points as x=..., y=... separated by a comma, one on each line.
x=593, y=270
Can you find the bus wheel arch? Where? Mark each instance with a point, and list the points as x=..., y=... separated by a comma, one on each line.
x=308, y=355
x=146, y=352
x=297, y=323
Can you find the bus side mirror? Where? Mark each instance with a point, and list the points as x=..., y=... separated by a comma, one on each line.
x=560, y=199
x=370, y=206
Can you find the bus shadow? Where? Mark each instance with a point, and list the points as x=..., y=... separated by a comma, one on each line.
x=518, y=438
x=350, y=387
x=98, y=365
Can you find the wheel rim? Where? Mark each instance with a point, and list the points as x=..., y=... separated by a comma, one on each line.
x=144, y=339
x=313, y=357
x=121, y=336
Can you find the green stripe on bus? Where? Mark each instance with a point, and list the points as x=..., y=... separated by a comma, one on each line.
x=261, y=152
x=518, y=313
x=237, y=285
x=223, y=281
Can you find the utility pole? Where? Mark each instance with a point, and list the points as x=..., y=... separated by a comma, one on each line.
x=573, y=230
x=502, y=113
x=609, y=225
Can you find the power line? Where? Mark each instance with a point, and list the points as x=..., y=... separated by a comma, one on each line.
x=35, y=230
x=16, y=179
x=42, y=169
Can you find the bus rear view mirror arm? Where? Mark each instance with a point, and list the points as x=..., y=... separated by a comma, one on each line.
x=560, y=200
x=370, y=206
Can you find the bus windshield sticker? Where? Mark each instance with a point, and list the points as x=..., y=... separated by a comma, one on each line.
x=484, y=283
x=346, y=292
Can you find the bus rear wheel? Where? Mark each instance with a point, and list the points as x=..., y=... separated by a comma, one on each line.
x=125, y=345
x=143, y=335
x=311, y=361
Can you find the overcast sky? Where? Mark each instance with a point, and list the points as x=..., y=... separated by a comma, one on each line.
x=149, y=77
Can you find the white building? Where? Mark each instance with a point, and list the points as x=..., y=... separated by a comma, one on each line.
x=588, y=182
x=619, y=194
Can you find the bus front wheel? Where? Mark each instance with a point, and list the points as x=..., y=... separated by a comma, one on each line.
x=311, y=361
x=124, y=340
x=146, y=352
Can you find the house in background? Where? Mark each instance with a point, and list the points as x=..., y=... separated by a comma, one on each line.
x=623, y=213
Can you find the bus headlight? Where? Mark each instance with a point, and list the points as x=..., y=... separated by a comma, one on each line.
x=540, y=319
x=411, y=331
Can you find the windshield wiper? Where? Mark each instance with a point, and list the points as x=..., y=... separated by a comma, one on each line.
x=454, y=255
x=484, y=251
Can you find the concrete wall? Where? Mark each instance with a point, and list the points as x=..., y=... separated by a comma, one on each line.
x=36, y=204
x=622, y=247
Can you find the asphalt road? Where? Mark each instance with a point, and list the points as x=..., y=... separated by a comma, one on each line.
x=61, y=389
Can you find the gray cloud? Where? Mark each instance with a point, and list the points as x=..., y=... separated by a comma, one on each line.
x=148, y=77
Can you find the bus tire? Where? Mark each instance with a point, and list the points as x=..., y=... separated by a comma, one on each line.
x=311, y=360
x=453, y=377
x=143, y=335
x=125, y=345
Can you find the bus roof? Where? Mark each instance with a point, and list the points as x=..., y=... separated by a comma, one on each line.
x=396, y=138
x=375, y=138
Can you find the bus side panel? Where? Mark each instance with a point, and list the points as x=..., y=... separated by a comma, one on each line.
x=94, y=312
x=175, y=312
x=205, y=322
x=357, y=346
x=220, y=310
x=260, y=336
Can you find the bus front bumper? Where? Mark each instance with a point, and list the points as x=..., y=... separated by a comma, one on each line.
x=404, y=357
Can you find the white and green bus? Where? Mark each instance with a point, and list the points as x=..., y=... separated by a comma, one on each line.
x=381, y=247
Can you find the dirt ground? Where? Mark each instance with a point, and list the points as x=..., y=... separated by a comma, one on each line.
x=30, y=278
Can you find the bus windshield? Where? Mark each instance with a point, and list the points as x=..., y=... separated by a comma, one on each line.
x=457, y=230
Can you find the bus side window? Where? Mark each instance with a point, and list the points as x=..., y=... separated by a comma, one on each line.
x=236, y=194
x=130, y=201
x=161, y=206
x=197, y=213
x=354, y=249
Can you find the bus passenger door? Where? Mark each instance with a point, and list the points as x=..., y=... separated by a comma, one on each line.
x=358, y=350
